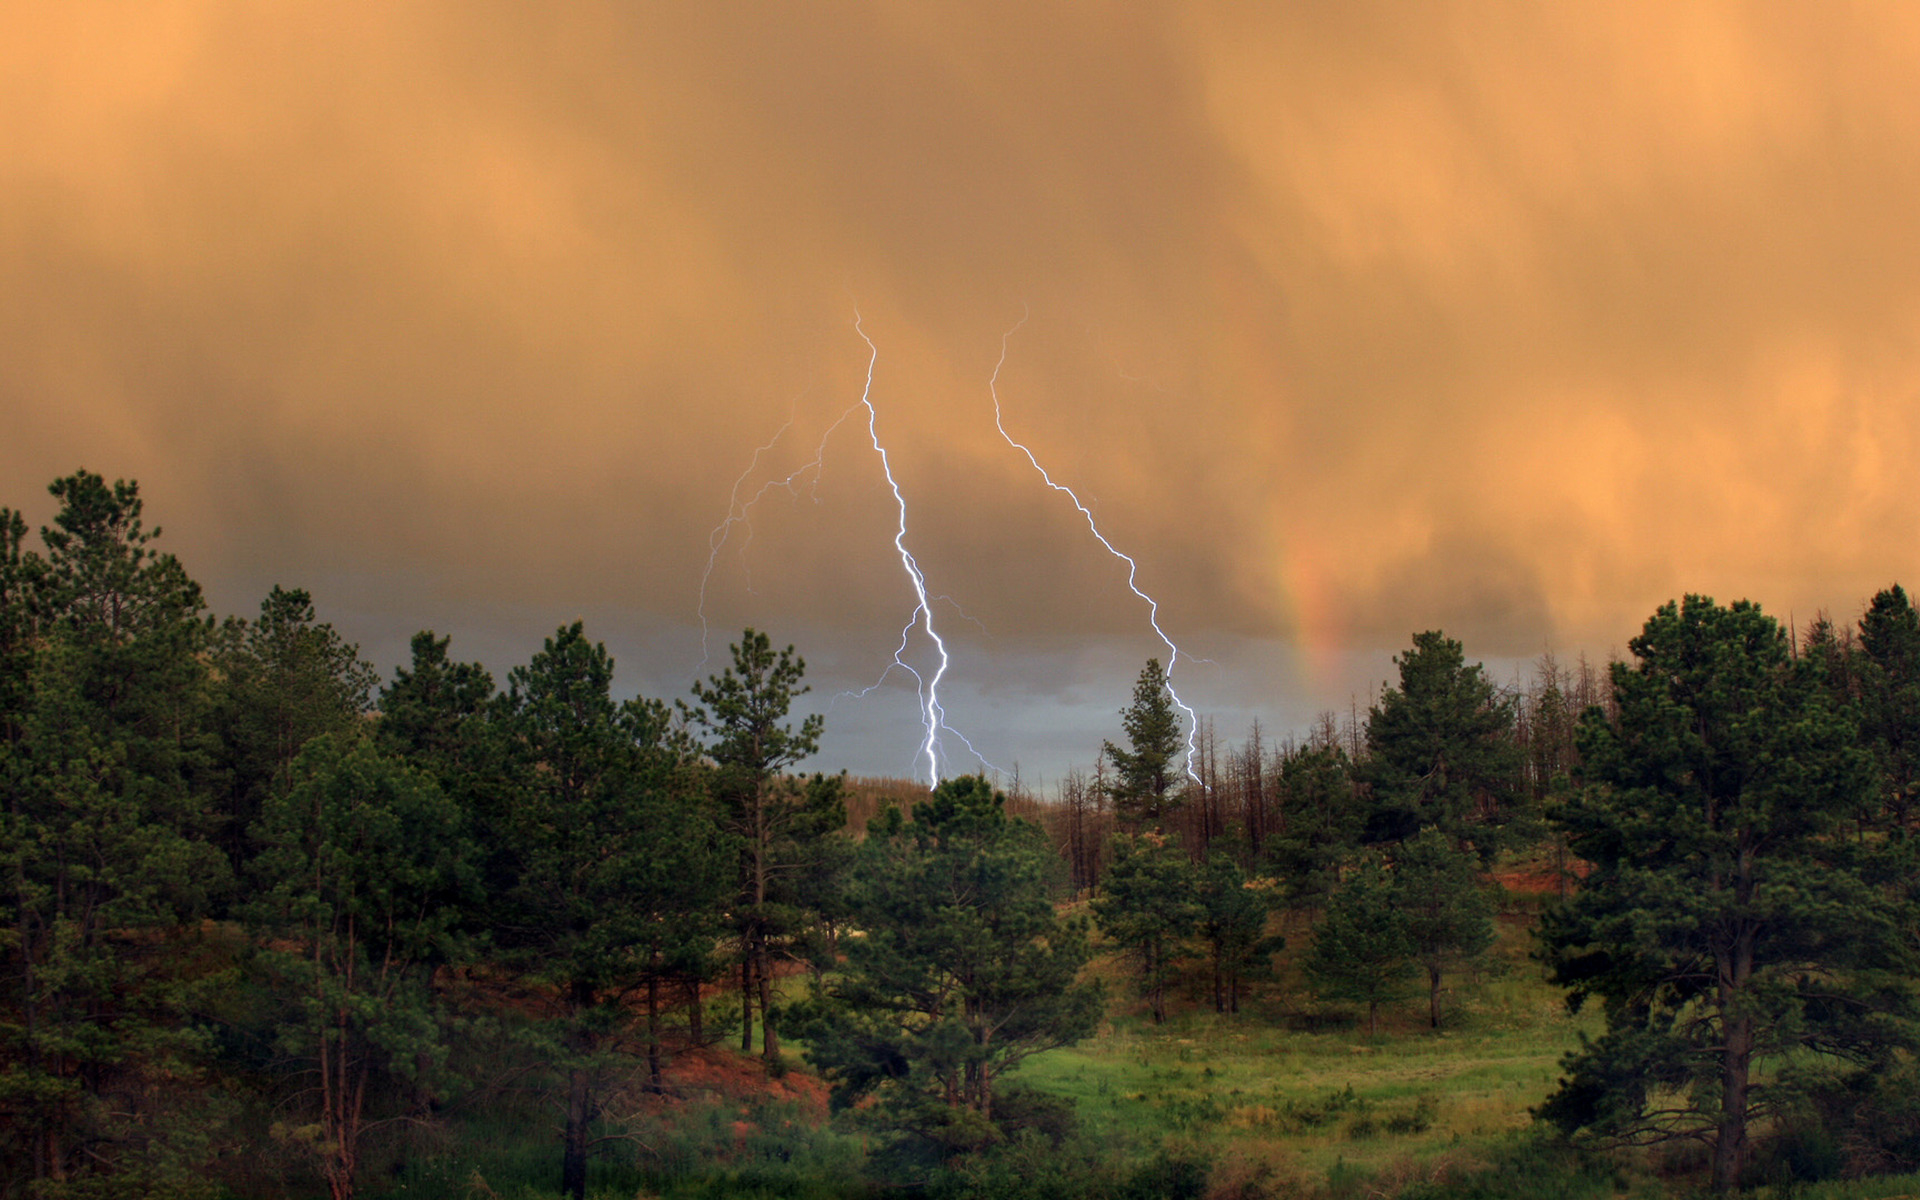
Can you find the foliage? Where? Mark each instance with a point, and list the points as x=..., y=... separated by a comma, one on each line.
x=1321, y=819
x=1143, y=785
x=782, y=826
x=103, y=842
x=1890, y=700
x=617, y=870
x=960, y=972
x=1232, y=922
x=1449, y=919
x=365, y=874
x=1362, y=950
x=1148, y=907
x=1727, y=926
x=1441, y=752
x=284, y=679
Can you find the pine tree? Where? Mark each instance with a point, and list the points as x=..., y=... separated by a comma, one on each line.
x=285, y=678
x=778, y=822
x=366, y=874
x=1143, y=785
x=1362, y=950
x=1726, y=926
x=1440, y=751
x=963, y=970
x=104, y=850
x=1148, y=906
x=1449, y=919
x=1890, y=700
x=616, y=864
x=1234, y=908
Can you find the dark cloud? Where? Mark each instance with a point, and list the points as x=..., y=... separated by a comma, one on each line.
x=1350, y=320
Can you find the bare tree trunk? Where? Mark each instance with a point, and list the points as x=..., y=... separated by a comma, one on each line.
x=1433, y=996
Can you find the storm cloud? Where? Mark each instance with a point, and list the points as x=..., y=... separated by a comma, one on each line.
x=1348, y=320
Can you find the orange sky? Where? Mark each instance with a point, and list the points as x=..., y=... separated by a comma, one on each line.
x=1353, y=319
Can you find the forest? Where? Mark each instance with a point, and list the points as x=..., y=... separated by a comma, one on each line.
x=277, y=926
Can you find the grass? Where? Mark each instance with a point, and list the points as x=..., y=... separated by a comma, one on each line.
x=1288, y=1087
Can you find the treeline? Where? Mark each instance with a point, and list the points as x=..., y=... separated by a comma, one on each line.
x=257, y=904
x=264, y=912
x=1729, y=818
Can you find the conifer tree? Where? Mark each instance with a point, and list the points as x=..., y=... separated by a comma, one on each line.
x=1449, y=919
x=1148, y=906
x=365, y=874
x=104, y=851
x=963, y=970
x=1234, y=908
x=779, y=823
x=1725, y=926
x=616, y=864
x=1890, y=700
x=1440, y=751
x=285, y=678
x=1361, y=948
x=1143, y=787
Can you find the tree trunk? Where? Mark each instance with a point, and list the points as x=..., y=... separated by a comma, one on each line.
x=694, y=1012
x=1155, y=988
x=573, y=1162
x=746, y=997
x=653, y=1024
x=1373, y=1017
x=769, y=1038
x=1433, y=997
x=1730, y=1140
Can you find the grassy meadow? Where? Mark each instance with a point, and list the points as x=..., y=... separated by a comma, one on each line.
x=1290, y=1088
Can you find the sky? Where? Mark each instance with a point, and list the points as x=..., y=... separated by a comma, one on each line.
x=1345, y=320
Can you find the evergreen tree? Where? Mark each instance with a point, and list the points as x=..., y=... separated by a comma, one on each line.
x=1449, y=919
x=1890, y=700
x=962, y=972
x=616, y=865
x=1362, y=950
x=103, y=841
x=1143, y=785
x=1725, y=925
x=1234, y=908
x=286, y=679
x=1320, y=822
x=1441, y=752
x=445, y=718
x=366, y=873
x=1148, y=907
x=779, y=823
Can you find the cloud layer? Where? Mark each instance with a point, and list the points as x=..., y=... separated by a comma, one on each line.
x=1350, y=319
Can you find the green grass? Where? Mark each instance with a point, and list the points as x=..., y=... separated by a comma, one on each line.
x=1286, y=1087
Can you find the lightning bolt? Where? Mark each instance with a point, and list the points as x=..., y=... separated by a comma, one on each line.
x=1133, y=568
x=739, y=512
x=933, y=716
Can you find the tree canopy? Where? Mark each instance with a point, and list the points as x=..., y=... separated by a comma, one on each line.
x=1741, y=946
